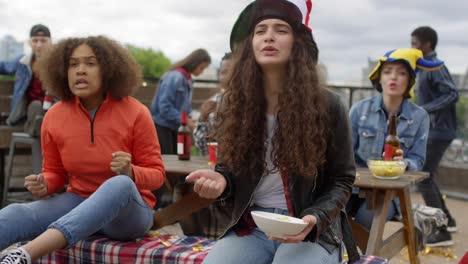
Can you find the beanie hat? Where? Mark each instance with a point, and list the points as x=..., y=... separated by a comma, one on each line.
x=294, y=12
x=39, y=30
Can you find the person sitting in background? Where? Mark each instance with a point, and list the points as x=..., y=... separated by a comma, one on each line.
x=393, y=76
x=174, y=96
x=206, y=121
x=100, y=141
x=28, y=93
x=284, y=144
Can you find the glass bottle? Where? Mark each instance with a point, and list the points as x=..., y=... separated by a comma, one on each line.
x=183, y=138
x=392, y=142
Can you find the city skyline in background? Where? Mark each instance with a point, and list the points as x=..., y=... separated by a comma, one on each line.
x=10, y=49
x=348, y=33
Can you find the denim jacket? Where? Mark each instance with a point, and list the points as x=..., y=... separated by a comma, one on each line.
x=436, y=93
x=174, y=96
x=369, y=128
x=21, y=67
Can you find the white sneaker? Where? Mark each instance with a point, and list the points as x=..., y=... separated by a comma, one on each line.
x=16, y=256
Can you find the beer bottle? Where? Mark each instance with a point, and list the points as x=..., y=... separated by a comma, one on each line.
x=183, y=138
x=392, y=142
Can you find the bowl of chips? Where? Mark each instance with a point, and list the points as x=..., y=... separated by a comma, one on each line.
x=278, y=225
x=387, y=169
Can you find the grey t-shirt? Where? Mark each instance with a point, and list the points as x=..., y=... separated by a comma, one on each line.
x=270, y=191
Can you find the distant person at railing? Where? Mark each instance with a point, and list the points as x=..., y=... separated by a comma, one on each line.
x=437, y=94
x=393, y=77
x=205, y=122
x=100, y=143
x=174, y=96
x=28, y=94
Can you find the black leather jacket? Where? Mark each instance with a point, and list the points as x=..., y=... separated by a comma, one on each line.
x=324, y=196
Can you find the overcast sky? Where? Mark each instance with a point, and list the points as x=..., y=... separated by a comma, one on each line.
x=347, y=32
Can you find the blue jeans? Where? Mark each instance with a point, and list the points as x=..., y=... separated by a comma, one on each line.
x=365, y=216
x=116, y=210
x=257, y=248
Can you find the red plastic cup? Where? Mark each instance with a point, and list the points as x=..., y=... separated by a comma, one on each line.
x=212, y=151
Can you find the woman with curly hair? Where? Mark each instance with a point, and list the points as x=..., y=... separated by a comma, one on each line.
x=284, y=143
x=99, y=141
x=174, y=96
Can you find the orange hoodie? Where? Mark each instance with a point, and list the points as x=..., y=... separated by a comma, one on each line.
x=78, y=150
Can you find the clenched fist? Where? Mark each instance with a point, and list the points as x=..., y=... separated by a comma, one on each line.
x=121, y=163
x=36, y=184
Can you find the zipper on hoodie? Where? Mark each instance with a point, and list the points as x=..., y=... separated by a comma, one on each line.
x=92, y=123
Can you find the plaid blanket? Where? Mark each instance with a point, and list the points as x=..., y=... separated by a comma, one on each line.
x=160, y=248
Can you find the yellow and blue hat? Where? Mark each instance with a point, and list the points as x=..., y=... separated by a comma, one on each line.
x=414, y=60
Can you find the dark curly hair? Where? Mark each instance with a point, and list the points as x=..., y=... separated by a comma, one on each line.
x=121, y=74
x=426, y=34
x=299, y=141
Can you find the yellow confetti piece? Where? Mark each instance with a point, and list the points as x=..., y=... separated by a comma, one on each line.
x=197, y=247
x=155, y=234
x=166, y=244
x=441, y=252
x=345, y=256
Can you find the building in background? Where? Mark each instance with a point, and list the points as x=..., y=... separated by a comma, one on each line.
x=10, y=48
x=208, y=79
x=464, y=84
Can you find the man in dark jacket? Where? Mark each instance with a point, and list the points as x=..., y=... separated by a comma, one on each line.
x=437, y=94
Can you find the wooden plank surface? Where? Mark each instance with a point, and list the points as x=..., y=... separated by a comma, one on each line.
x=364, y=179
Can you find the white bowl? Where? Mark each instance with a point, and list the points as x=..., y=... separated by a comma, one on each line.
x=278, y=225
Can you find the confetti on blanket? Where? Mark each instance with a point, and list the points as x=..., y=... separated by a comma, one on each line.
x=156, y=248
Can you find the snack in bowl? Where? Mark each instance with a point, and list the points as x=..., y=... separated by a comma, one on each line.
x=278, y=225
x=387, y=169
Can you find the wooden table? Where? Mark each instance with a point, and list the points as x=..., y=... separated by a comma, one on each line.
x=175, y=167
x=377, y=192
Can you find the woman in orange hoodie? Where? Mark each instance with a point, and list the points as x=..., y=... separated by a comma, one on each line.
x=99, y=141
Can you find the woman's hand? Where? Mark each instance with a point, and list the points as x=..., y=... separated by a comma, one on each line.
x=310, y=220
x=121, y=163
x=208, y=184
x=398, y=154
x=36, y=184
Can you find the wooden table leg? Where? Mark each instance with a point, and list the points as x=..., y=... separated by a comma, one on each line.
x=408, y=224
x=382, y=199
x=181, y=208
